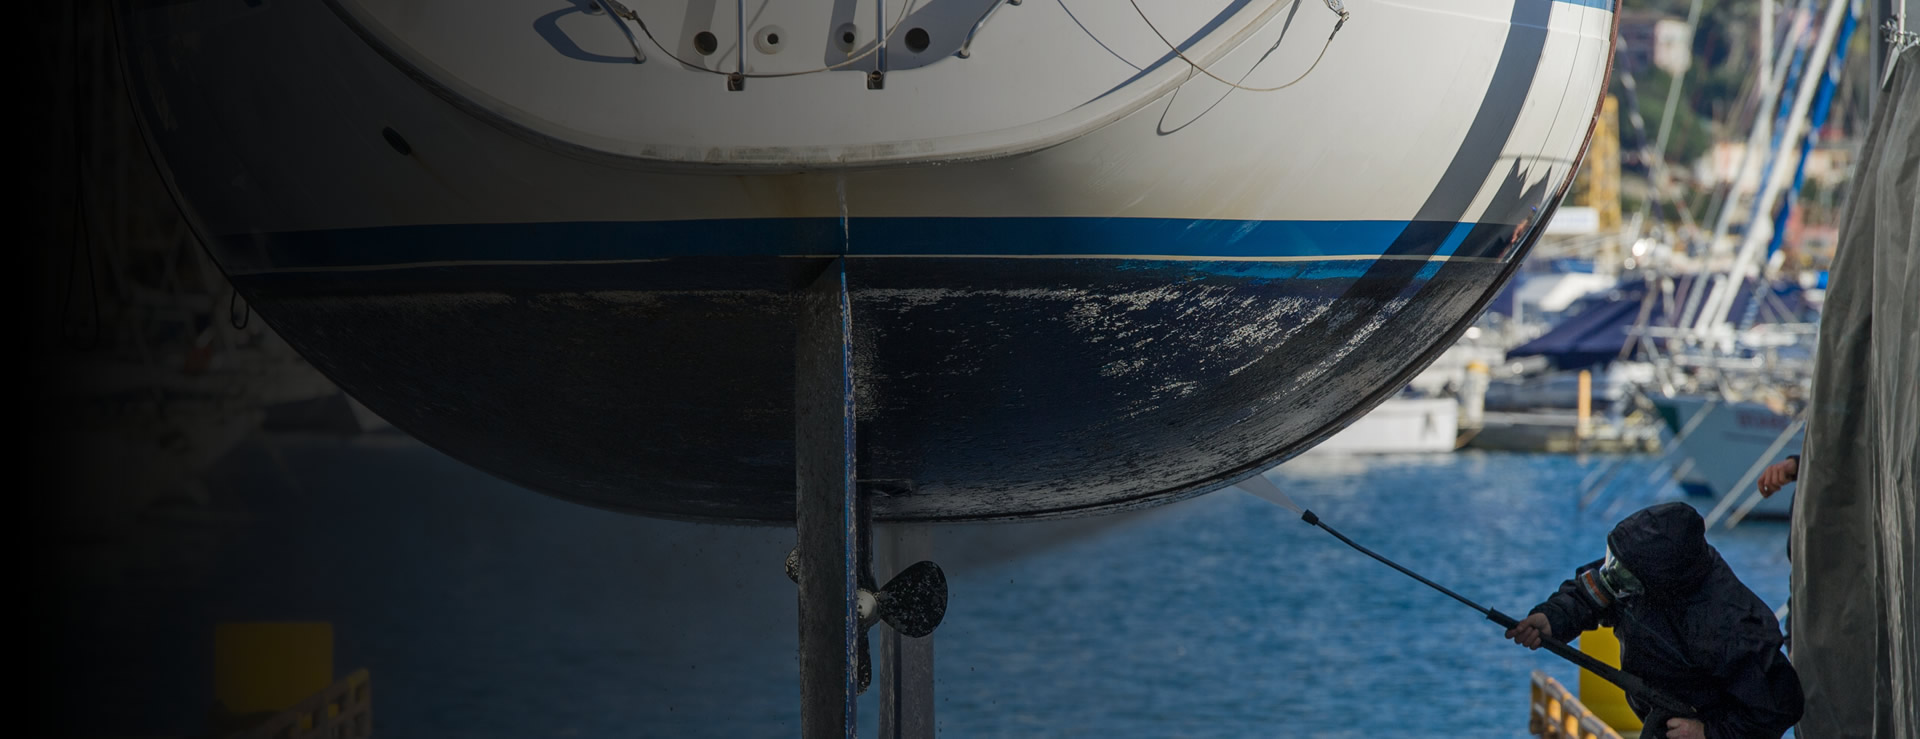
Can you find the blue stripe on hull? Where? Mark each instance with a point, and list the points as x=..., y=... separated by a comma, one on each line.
x=1147, y=238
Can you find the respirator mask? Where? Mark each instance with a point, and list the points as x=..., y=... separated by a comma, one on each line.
x=1609, y=583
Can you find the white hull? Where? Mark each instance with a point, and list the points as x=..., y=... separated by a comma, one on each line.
x=1365, y=137
x=1729, y=448
x=1399, y=426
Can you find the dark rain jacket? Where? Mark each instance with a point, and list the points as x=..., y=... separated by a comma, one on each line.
x=1698, y=633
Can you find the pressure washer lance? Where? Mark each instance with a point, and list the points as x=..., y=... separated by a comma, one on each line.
x=1627, y=681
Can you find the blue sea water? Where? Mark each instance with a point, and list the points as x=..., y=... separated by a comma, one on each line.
x=484, y=610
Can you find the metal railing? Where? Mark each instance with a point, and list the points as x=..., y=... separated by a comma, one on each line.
x=343, y=711
x=1557, y=714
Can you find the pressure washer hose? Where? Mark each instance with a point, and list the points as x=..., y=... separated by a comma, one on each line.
x=1633, y=685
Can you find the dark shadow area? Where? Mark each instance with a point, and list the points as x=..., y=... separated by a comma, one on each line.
x=548, y=26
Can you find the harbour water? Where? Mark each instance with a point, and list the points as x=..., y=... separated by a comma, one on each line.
x=483, y=610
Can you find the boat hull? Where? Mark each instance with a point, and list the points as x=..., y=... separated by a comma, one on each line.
x=1149, y=311
x=1735, y=439
x=1400, y=426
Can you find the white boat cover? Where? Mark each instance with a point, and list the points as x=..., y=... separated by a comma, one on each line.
x=1856, y=556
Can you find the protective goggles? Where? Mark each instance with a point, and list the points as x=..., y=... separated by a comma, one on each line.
x=1611, y=582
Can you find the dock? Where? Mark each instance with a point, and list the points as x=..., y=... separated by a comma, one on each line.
x=1558, y=431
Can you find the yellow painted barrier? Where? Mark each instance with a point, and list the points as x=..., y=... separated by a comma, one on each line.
x=263, y=668
x=274, y=680
x=1605, y=699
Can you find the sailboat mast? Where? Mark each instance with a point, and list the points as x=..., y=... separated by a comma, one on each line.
x=1823, y=100
x=1713, y=314
x=1775, y=83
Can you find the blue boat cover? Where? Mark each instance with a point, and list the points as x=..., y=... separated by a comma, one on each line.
x=1596, y=329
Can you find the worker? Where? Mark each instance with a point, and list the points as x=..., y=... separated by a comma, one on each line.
x=1687, y=626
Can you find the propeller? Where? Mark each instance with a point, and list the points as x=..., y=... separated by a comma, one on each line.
x=913, y=603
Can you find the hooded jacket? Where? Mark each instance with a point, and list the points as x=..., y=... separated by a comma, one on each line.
x=1697, y=633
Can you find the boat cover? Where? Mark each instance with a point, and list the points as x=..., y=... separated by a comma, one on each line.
x=1601, y=330
x=1856, y=558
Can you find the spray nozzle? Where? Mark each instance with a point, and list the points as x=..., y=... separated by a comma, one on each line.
x=1312, y=520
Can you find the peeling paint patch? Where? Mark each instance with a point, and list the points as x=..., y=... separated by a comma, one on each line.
x=1360, y=337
